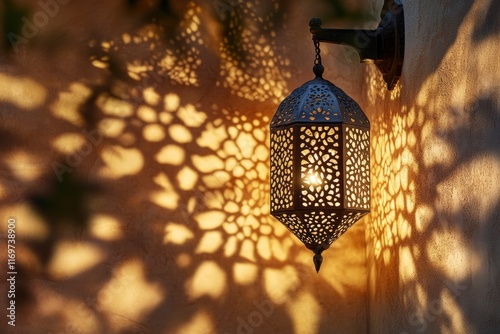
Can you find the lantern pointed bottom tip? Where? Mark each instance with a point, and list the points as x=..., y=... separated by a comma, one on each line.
x=317, y=259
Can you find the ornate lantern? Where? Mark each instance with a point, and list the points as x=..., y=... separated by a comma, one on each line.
x=320, y=154
x=320, y=163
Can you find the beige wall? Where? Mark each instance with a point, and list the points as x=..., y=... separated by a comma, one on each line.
x=158, y=126
x=159, y=133
x=433, y=255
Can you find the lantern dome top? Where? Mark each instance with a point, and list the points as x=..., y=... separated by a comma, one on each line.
x=319, y=101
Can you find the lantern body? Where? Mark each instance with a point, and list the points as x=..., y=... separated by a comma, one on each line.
x=320, y=163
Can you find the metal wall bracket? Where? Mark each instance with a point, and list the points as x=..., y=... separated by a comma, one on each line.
x=384, y=45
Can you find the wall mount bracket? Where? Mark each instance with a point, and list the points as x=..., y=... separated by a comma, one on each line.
x=383, y=45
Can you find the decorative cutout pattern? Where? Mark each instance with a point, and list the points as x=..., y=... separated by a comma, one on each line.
x=357, y=168
x=348, y=219
x=320, y=104
x=281, y=169
x=319, y=227
x=319, y=101
x=322, y=225
x=320, y=166
x=289, y=106
x=351, y=111
x=297, y=226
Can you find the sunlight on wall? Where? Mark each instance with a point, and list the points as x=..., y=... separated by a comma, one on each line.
x=167, y=198
x=304, y=301
x=68, y=143
x=25, y=166
x=105, y=227
x=173, y=134
x=250, y=67
x=76, y=316
x=474, y=186
x=24, y=93
x=71, y=259
x=66, y=107
x=394, y=168
x=183, y=63
x=128, y=296
x=200, y=323
x=435, y=190
x=120, y=161
x=199, y=285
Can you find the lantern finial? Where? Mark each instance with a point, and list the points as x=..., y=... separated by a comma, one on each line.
x=318, y=258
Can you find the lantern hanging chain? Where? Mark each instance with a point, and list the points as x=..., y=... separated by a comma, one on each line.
x=318, y=67
x=317, y=59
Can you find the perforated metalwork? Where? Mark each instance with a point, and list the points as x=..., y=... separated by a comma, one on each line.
x=281, y=169
x=320, y=166
x=288, y=108
x=351, y=112
x=319, y=100
x=348, y=219
x=357, y=168
x=295, y=224
x=319, y=227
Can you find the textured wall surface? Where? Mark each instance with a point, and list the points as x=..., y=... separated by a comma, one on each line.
x=432, y=241
x=135, y=161
x=134, y=157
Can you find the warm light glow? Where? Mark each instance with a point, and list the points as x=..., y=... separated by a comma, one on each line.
x=279, y=284
x=210, y=219
x=296, y=306
x=170, y=154
x=121, y=161
x=245, y=273
x=24, y=165
x=72, y=258
x=167, y=197
x=106, y=227
x=33, y=228
x=313, y=179
x=171, y=102
x=191, y=117
x=154, y=133
x=68, y=143
x=129, y=286
x=201, y=322
x=180, y=133
x=187, y=178
x=24, y=93
x=210, y=243
x=208, y=280
x=67, y=105
x=147, y=114
x=177, y=234
x=112, y=127
x=113, y=106
x=69, y=309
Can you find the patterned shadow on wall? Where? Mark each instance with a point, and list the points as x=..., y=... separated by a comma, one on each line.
x=436, y=165
x=143, y=200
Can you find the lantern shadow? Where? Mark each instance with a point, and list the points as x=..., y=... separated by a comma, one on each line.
x=436, y=204
x=142, y=203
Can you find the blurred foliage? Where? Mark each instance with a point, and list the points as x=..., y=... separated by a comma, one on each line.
x=64, y=204
x=340, y=10
x=12, y=19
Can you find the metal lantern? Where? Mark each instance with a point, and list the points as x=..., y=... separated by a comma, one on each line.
x=320, y=139
x=320, y=163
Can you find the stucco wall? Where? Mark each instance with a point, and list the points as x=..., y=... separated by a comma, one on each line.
x=134, y=159
x=432, y=241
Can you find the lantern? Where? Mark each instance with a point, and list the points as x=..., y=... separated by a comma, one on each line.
x=320, y=139
x=320, y=164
